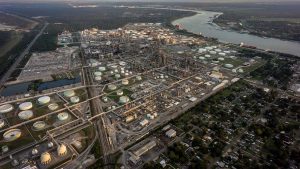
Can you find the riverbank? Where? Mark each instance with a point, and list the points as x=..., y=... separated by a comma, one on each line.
x=202, y=22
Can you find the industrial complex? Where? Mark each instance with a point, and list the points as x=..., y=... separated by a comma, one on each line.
x=133, y=81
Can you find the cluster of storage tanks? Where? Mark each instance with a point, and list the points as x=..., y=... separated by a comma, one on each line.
x=115, y=70
x=25, y=113
x=71, y=95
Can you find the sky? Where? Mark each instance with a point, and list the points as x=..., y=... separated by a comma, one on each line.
x=153, y=0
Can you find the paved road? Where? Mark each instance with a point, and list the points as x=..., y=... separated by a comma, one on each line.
x=96, y=108
x=5, y=77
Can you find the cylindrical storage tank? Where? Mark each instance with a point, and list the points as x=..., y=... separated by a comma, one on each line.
x=213, y=52
x=201, y=58
x=138, y=78
x=39, y=125
x=98, y=78
x=74, y=99
x=98, y=73
x=53, y=106
x=112, y=87
x=222, y=54
x=102, y=69
x=12, y=135
x=124, y=99
x=61, y=150
x=120, y=92
x=63, y=116
x=208, y=48
x=228, y=65
x=25, y=115
x=5, y=108
x=125, y=82
x=117, y=76
x=105, y=99
x=2, y=123
x=45, y=158
x=69, y=93
x=25, y=106
x=44, y=100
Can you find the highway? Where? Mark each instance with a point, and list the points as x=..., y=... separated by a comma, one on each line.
x=5, y=77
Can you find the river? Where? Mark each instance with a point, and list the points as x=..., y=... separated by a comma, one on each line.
x=202, y=23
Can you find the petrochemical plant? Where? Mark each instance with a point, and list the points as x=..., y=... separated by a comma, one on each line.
x=134, y=80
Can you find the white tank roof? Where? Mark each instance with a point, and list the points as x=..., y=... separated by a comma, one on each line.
x=75, y=99
x=5, y=108
x=63, y=116
x=112, y=87
x=53, y=106
x=25, y=106
x=39, y=125
x=44, y=100
x=69, y=93
x=12, y=134
x=124, y=99
x=125, y=82
x=25, y=115
x=98, y=73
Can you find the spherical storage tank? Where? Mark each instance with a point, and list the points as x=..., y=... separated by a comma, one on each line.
x=69, y=93
x=6, y=108
x=25, y=115
x=75, y=99
x=124, y=99
x=25, y=106
x=45, y=158
x=44, y=100
x=61, y=150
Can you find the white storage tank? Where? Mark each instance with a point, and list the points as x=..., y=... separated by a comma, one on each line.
x=112, y=87
x=44, y=100
x=25, y=115
x=25, y=106
x=124, y=99
x=69, y=93
x=74, y=99
x=63, y=116
x=6, y=108
x=125, y=82
x=53, y=106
